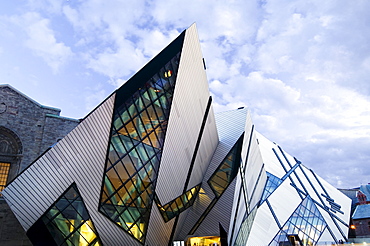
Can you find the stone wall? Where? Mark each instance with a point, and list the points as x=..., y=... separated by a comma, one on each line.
x=362, y=227
x=11, y=232
x=30, y=128
x=37, y=127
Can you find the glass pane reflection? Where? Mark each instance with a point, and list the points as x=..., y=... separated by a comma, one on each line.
x=136, y=142
x=68, y=221
x=305, y=225
x=178, y=205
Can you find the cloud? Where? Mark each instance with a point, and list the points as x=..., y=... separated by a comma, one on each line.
x=41, y=39
x=49, y=6
x=93, y=96
x=301, y=67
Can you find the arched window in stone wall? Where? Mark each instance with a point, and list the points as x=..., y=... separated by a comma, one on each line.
x=10, y=155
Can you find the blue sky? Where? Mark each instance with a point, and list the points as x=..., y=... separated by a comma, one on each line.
x=302, y=67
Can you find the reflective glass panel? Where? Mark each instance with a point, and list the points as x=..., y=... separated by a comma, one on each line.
x=136, y=142
x=178, y=205
x=68, y=222
x=305, y=226
x=271, y=185
x=245, y=228
x=227, y=170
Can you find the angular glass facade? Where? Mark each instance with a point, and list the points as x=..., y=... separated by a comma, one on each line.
x=114, y=155
x=272, y=183
x=178, y=205
x=67, y=222
x=135, y=148
x=245, y=228
x=222, y=177
x=227, y=170
x=305, y=226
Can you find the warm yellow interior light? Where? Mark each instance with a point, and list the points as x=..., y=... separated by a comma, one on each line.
x=87, y=233
x=203, y=240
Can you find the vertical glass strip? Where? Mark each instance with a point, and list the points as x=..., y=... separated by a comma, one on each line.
x=136, y=142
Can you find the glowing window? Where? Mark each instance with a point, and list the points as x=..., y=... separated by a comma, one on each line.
x=4, y=171
x=67, y=222
x=136, y=142
x=179, y=204
x=227, y=170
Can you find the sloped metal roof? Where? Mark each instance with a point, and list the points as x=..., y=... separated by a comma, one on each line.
x=361, y=212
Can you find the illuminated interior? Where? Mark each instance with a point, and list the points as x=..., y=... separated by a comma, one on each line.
x=203, y=241
x=221, y=179
x=227, y=170
x=135, y=148
x=67, y=222
x=4, y=171
x=178, y=205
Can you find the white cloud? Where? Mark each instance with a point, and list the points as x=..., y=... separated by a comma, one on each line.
x=50, y=6
x=302, y=67
x=93, y=96
x=41, y=39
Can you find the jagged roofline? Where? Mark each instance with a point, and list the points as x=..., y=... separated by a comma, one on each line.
x=28, y=98
x=146, y=72
x=143, y=75
x=129, y=88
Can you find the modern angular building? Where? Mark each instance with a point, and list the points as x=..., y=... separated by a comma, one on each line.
x=153, y=165
x=27, y=129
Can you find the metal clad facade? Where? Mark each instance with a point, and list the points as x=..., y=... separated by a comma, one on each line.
x=278, y=208
x=230, y=126
x=196, y=145
x=79, y=158
x=188, y=109
x=265, y=225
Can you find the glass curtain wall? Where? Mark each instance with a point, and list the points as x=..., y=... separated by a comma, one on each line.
x=136, y=142
x=178, y=205
x=66, y=223
x=304, y=227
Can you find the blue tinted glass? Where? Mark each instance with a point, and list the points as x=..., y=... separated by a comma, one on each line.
x=308, y=225
x=271, y=185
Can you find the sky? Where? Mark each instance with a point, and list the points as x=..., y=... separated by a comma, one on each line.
x=301, y=67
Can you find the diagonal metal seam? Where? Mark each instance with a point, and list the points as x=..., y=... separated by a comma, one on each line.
x=148, y=157
x=205, y=116
x=235, y=151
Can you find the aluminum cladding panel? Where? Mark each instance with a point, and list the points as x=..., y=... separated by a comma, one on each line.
x=264, y=227
x=80, y=158
x=187, y=112
x=272, y=164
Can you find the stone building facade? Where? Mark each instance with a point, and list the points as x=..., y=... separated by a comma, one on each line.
x=27, y=129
